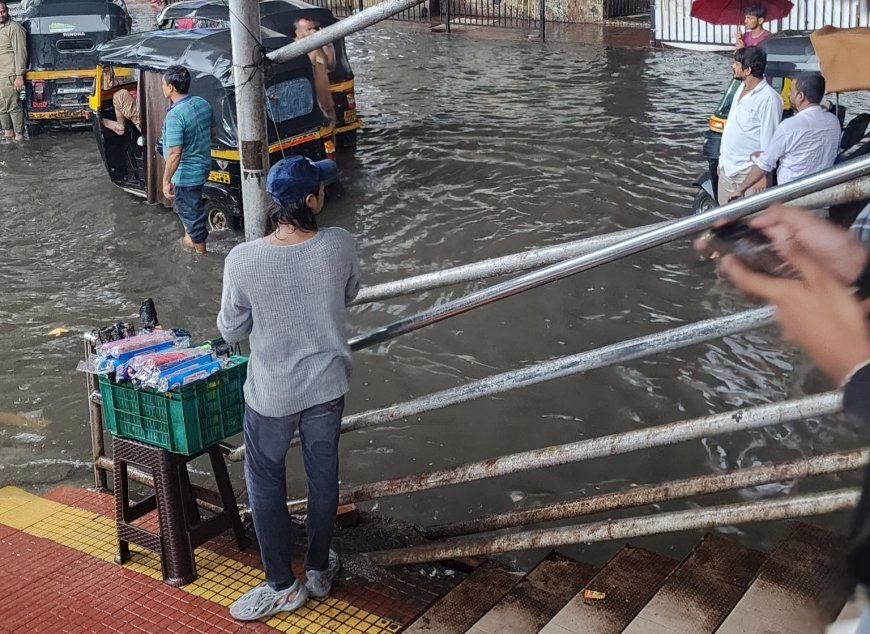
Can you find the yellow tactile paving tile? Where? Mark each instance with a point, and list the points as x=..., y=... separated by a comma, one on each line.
x=221, y=580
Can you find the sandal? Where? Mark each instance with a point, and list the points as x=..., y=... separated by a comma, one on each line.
x=262, y=601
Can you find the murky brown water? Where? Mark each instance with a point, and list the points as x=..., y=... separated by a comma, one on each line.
x=471, y=148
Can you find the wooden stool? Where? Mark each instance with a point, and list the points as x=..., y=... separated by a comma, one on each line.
x=182, y=528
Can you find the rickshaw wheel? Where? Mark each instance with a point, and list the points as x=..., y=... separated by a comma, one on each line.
x=703, y=202
x=219, y=219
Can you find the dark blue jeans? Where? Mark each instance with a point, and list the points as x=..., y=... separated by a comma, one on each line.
x=190, y=207
x=267, y=440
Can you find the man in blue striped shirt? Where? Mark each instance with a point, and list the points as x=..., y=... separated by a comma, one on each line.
x=187, y=131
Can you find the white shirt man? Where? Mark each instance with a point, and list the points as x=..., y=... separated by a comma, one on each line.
x=802, y=145
x=754, y=116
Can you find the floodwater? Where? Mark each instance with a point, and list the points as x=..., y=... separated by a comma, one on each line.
x=472, y=148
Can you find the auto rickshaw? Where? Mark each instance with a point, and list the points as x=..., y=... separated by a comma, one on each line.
x=279, y=15
x=62, y=41
x=135, y=63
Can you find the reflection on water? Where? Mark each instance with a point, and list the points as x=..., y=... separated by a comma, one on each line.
x=470, y=149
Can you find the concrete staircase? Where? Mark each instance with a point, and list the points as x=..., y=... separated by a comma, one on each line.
x=719, y=587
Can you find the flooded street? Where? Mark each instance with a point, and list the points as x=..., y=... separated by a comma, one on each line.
x=471, y=148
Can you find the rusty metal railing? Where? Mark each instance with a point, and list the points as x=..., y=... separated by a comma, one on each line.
x=571, y=258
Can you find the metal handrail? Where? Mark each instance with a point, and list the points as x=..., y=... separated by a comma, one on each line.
x=612, y=445
x=616, y=246
x=534, y=258
x=621, y=352
x=759, y=511
x=654, y=493
x=647, y=240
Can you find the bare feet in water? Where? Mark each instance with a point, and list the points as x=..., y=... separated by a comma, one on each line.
x=199, y=247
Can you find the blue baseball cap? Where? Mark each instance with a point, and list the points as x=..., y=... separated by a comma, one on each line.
x=292, y=179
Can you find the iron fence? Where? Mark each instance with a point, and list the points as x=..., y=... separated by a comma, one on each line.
x=626, y=9
x=499, y=13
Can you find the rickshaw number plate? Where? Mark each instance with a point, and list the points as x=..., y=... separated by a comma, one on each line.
x=349, y=116
x=219, y=177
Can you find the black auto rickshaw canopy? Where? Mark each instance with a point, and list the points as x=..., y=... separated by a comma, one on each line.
x=275, y=15
x=207, y=55
x=63, y=34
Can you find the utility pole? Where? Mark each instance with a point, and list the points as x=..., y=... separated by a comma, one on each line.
x=248, y=63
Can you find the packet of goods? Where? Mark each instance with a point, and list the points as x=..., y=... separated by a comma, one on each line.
x=113, y=356
x=152, y=378
x=188, y=375
x=115, y=349
x=163, y=360
x=593, y=594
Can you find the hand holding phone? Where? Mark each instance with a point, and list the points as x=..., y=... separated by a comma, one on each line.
x=751, y=246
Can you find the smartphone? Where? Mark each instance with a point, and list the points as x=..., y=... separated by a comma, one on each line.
x=754, y=249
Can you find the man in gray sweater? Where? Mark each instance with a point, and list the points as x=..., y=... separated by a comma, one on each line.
x=287, y=293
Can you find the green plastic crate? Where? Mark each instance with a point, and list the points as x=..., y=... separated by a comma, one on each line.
x=182, y=421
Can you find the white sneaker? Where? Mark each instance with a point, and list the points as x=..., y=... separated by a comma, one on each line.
x=261, y=601
x=319, y=582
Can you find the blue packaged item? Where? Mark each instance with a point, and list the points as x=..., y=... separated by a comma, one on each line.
x=188, y=375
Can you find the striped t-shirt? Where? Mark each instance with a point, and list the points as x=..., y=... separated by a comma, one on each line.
x=188, y=123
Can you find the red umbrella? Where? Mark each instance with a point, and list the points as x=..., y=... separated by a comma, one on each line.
x=733, y=11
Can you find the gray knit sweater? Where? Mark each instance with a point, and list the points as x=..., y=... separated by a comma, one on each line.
x=290, y=303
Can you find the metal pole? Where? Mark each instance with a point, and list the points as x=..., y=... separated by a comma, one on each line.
x=250, y=112
x=555, y=368
x=448, y=14
x=760, y=511
x=343, y=28
x=515, y=262
x=95, y=413
x=494, y=267
x=679, y=229
x=585, y=361
x=621, y=352
x=542, y=18
x=652, y=24
x=616, y=444
x=652, y=494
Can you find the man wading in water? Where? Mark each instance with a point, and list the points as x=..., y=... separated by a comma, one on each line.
x=287, y=294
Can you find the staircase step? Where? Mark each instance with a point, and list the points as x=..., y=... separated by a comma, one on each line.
x=702, y=591
x=628, y=580
x=800, y=587
x=536, y=598
x=460, y=608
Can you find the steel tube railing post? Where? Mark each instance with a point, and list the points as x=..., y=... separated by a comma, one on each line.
x=343, y=28
x=95, y=413
x=541, y=372
x=621, y=352
x=556, y=368
x=534, y=258
x=678, y=229
x=655, y=493
x=612, y=445
x=608, y=530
